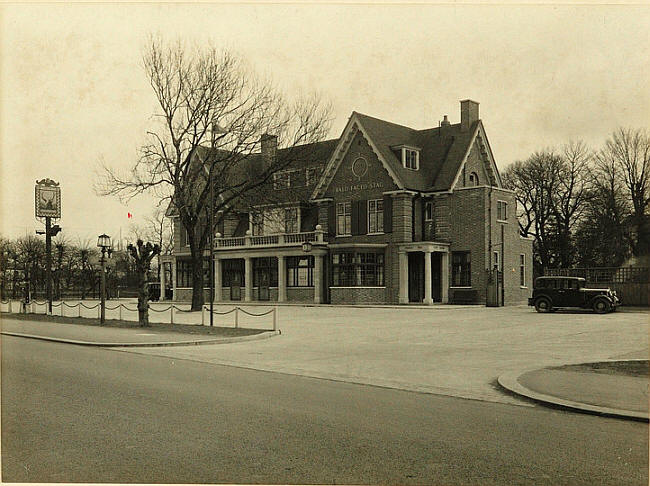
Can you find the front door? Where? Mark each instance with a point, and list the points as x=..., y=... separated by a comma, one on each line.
x=436, y=267
x=235, y=286
x=416, y=276
x=265, y=277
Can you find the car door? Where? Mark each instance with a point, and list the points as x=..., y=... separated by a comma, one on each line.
x=561, y=297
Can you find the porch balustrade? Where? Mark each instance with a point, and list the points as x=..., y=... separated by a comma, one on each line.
x=279, y=240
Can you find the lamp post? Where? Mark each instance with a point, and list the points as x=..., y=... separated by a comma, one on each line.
x=104, y=243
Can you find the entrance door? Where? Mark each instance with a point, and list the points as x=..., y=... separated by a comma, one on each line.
x=416, y=276
x=265, y=277
x=436, y=267
x=235, y=286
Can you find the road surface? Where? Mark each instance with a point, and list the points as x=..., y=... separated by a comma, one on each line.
x=77, y=414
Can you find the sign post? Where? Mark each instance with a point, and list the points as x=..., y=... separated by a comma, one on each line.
x=48, y=205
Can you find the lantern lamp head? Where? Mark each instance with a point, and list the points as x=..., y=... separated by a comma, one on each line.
x=104, y=241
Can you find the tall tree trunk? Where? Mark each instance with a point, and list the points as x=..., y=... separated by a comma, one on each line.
x=197, y=280
x=143, y=301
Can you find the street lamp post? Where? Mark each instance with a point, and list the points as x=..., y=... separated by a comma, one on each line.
x=104, y=243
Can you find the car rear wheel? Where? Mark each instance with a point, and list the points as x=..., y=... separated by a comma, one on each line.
x=601, y=306
x=543, y=305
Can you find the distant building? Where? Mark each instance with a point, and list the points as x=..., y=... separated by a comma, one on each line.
x=385, y=214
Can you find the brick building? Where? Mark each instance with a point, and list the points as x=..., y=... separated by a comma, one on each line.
x=384, y=214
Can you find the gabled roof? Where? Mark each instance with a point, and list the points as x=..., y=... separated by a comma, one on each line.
x=443, y=151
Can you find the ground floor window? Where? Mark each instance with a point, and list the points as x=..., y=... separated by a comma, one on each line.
x=265, y=272
x=522, y=270
x=232, y=272
x=300, y=271
x=461, y=269
x=184, y=273
x=358, y=269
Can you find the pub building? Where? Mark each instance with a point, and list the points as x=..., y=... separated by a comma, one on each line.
x=385, y=214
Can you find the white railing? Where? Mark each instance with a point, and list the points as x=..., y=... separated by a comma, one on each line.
x=288, y=239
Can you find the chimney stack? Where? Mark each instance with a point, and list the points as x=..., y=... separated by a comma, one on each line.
x=468, y=114
x=444, y=126
x=269, y=148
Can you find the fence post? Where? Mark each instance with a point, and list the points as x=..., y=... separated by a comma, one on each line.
x=120, y=307
x=236, y=317
x=172, y=313
x=79, y=306
x=275, y=318
x=9, y=306
x=202, y=315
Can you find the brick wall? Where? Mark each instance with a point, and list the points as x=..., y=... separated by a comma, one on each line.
x=513, y=246
x=358, y=295
x=467, y=230
x=300, y=294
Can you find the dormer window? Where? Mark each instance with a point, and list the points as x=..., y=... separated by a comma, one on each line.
x=410, y=158
x=473, y=179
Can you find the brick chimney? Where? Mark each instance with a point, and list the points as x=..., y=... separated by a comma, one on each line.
x=269, y=148
x=468, y=114
x=444, y=126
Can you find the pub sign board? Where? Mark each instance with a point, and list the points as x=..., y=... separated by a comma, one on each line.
x=48, y=199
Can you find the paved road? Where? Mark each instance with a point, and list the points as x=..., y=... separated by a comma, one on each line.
x=448, y=350
x=77, y=414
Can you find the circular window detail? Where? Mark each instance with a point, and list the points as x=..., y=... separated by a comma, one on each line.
x=359, y=167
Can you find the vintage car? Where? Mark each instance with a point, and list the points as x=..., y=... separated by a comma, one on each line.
x=551, y=293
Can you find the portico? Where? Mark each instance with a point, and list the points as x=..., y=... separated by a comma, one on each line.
x=416, y=283
x=270, y=267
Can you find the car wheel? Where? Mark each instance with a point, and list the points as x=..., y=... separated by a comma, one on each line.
x=601, y=306
x=543, y=305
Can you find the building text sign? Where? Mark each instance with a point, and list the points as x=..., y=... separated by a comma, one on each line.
x=359, y=187
x=48, y=199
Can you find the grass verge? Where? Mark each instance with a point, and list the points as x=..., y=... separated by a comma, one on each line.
x=153, y=326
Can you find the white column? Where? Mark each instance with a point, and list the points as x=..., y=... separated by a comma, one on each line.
x=403, y=278
x=248, y=267
x=444, y=277
x=162, y=280
x=427, y=278
x=173, y=264
x=318, y=279
x=217, y=279
x=282, y=279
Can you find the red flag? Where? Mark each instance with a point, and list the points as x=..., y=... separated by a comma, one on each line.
x=129, y=215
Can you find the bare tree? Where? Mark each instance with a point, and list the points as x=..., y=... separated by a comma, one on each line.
x=536, y=182
x=142, y=254
x=626, y=156
x=213, y=114
x=571, y=197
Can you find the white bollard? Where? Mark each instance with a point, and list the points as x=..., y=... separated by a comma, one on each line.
x=203, y=315
x=79, y=306
x=120, y=307
x=275, y=318
x=236, y=317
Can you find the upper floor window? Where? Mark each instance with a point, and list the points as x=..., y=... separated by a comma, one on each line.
x=376, y=216
x=473, y=179
x=285, y=179
x=502, y=211
x=410, y=158
x=344, y=218
x=275, y=220
x=522, y=270
x=428, y=211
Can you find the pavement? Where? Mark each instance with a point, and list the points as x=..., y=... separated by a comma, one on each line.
x=467, y=352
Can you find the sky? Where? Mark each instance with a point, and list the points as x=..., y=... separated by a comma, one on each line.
x=74, y=94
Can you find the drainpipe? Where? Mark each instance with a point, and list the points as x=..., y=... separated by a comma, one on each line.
x=489, y=253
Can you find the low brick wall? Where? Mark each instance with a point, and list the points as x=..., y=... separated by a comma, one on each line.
x=300, y=294
x=358, y=295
